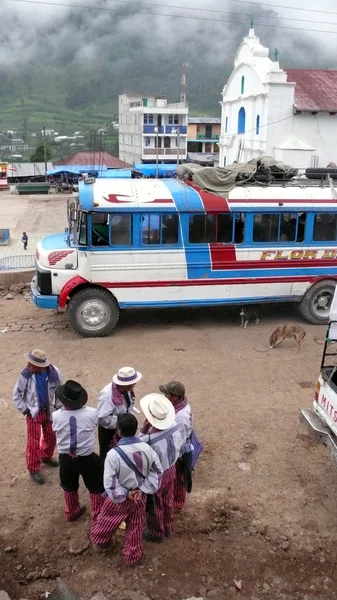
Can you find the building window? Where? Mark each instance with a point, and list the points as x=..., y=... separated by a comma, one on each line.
x=242, y=84
x=257, y=124
x=198, y=128
x=151, y=119
x=225, y=161
x=145, y=119
x=147, y=141
x=170, y=119
x=176, y=119
x=242, y=120
x=226, y=125
x=160, y=229
x=167, y=142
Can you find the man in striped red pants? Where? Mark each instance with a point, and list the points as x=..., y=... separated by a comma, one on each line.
x=34, y=397
x=175, y=392
x=75, y=425
x=131, y=470
x=163, y=434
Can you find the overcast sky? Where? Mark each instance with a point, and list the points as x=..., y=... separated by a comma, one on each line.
x=54, y=33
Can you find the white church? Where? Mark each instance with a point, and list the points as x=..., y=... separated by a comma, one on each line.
x=288, y=114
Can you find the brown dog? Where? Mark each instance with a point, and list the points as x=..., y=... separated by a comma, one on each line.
x=287, y=331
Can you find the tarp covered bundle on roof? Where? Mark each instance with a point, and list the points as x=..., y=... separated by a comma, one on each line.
x=258, y=171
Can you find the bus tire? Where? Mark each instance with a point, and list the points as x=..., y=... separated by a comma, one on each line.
x=316, y=303
x=93, y=312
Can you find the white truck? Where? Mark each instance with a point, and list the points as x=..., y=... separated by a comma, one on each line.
x=321, y=420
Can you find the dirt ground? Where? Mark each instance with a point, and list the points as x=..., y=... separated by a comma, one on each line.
x=273, y=527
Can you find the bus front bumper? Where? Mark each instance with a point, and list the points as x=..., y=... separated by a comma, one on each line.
x=42, y=301
x=320, y=431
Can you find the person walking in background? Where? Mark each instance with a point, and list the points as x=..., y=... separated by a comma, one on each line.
x=115, y=399
x=24, y=240
x=163, y=434
x=175, y=392
x=34, y=397
x=75, y=425
x=131, y=470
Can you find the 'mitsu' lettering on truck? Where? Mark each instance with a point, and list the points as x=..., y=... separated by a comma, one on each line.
x=321, y=420
x=142, y=243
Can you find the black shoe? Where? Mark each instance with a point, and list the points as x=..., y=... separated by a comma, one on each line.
x=37, y=477
x=52, y=462
x=148, y=537
x=80, y=514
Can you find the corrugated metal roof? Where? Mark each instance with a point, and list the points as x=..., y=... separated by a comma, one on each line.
x=315, y=90
x=27, y=169
x=204, y=120
x=87, y=158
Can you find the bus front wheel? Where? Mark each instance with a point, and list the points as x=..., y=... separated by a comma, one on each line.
x=93, y=312
x=316, y=304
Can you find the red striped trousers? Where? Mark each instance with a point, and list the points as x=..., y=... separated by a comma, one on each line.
x=160, y=524
x=111, y=517
x=38, y=448
x=73, y=508
x=179, y=488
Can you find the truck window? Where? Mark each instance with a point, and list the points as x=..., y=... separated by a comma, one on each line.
x=82, y=230
x=282, y=227
x=160, y=229
x=100, y=229
x=325, y=227
x=121, y=230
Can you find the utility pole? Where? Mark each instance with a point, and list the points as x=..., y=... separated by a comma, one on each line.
x=156, y=131
x=45, y=154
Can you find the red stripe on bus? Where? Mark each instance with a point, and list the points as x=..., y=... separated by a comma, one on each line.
x=204, y=282
x=211, y=202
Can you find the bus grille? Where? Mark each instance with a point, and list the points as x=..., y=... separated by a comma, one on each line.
x=44, y=282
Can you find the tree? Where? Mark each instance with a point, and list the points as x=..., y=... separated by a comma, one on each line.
x=38, y=154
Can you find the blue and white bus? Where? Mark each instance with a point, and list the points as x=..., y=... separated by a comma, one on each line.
x=142, y=243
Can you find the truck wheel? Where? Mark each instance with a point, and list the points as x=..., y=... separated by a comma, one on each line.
x=316, y=304
x=93, y=312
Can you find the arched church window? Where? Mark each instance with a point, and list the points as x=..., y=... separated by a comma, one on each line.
x=257, y=124
x=226, y=125
x=242, y=120
x=242, y=84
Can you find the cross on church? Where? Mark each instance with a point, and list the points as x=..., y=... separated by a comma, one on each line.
x=276, y=54
x=251, y=24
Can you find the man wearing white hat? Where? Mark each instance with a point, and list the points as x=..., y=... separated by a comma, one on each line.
x=115, y=399
x=163, y=434
x=34, y=397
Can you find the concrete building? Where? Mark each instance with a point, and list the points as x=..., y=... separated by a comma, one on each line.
x=150, y=127
x=288, y=114
x=203, y=134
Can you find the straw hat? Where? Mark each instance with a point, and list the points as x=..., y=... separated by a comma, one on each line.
x=126, y=376
x=158, y=410
x=37, y=358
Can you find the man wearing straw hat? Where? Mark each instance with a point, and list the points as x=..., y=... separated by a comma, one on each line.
x=75, y=425
x=163, y=434
x=34, y=397
x=115, y=399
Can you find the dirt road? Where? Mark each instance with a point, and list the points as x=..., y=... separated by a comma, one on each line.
x=273, y=527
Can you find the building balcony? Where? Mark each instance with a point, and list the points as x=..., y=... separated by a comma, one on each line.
x=207, y=138
x=168, y=129
x=152, y=152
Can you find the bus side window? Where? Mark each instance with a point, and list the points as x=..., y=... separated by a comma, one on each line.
x=121, y=230
x=160, y=229
x=100, y=229
x=265, y=228
x=202, y=229
x=325, y=227
x=225, y=228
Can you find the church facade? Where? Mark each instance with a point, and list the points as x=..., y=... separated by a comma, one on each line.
x=266, y=110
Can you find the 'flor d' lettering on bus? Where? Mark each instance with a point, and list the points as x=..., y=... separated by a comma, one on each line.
x=298, y=254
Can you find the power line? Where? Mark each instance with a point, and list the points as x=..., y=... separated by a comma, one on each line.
x=191, y=17
x=214, y=11
x=312, y=10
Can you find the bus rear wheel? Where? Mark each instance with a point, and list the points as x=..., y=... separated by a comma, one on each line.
x=316, y=304
x=93, y=312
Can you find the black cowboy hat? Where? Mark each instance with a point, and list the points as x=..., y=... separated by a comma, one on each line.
x=72, y=394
